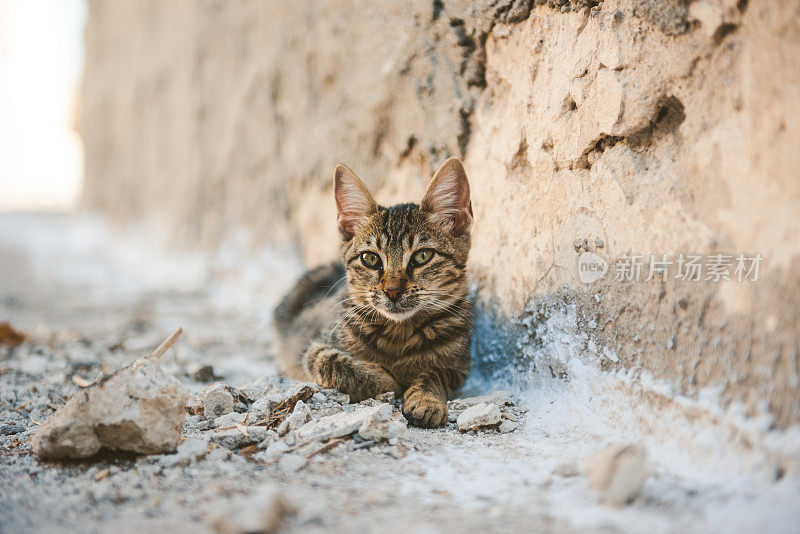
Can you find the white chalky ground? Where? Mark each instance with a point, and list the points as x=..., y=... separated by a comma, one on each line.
x=92, y=301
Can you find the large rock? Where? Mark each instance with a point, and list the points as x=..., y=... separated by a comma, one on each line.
x=137, y=409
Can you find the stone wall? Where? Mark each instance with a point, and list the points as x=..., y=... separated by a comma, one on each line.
x=615, y=127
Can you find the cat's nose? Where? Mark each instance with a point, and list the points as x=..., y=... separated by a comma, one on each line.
x=393, y=293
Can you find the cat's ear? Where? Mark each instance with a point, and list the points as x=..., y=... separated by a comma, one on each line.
x=447, y=197
x=353, y=201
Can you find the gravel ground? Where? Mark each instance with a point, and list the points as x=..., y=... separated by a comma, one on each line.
x=89, y=303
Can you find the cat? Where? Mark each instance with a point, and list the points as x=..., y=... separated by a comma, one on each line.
x=392, y=314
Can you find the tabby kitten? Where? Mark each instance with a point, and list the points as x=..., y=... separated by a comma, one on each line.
x=393, y=314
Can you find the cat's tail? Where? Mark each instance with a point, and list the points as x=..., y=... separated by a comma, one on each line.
x=311, y=288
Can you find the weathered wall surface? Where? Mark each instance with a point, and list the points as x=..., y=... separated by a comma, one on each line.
x=617, y=127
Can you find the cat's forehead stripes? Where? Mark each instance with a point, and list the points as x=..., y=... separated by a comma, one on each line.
x=398, y=223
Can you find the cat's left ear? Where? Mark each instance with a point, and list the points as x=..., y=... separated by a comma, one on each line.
x=447, y=197
x=354, y=203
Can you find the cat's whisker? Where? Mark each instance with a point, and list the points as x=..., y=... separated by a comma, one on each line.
x=345, y=300
x=451, y=310
x=328, y=292
x=439, y=292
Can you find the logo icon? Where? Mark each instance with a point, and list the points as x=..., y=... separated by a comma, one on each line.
x=591, y=267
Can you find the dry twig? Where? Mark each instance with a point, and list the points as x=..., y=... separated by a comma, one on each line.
x=328, y=446
x=80, y=381
x=159, y=352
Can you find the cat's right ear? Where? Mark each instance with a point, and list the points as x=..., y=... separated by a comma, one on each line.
x=354, y=203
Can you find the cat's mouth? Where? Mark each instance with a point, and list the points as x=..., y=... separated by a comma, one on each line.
x=397, y=316
x=396, y=311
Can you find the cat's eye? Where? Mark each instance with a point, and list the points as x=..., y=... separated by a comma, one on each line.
x=370, y=260
x=421, y=257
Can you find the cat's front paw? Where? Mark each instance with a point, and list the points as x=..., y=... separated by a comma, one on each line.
x=425, y=410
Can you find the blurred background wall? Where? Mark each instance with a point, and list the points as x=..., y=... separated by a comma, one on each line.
x=616, y=127
x=41, y=56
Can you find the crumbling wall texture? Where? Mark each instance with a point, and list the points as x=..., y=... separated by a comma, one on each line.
x=615, y=126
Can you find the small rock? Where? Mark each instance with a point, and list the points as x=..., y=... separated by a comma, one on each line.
x=500, y=398
x=379, y=431
x=217, y=401
x=300, y=392
x=479, y=416
x=510, y=416
x=263, y=407
x=262, y=512
x=230, y=419
x=136, y=409
x=256, y=391
x=617, y=473
x=195, y=406
x=197, y=423
x=299, y=416
x=204, y=373
x=343, y=423
x=507, y=426
x=241, y=436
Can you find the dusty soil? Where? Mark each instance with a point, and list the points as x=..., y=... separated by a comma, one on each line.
x=89, y=301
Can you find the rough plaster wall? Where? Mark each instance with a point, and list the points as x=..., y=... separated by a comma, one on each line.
x=635, y=125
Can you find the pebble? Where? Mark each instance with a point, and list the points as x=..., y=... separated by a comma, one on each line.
x=299, y=416
x=217, y=401
x=501, y=398
x=479, y=416
x=617, y=473
x=204, y=373
x=344, y=423
x=300, y=392
x=229, y=419
x=379, y=431
x=241, y=436
x=263, y=407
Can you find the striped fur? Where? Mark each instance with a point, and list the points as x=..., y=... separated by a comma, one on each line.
x=353, y=337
